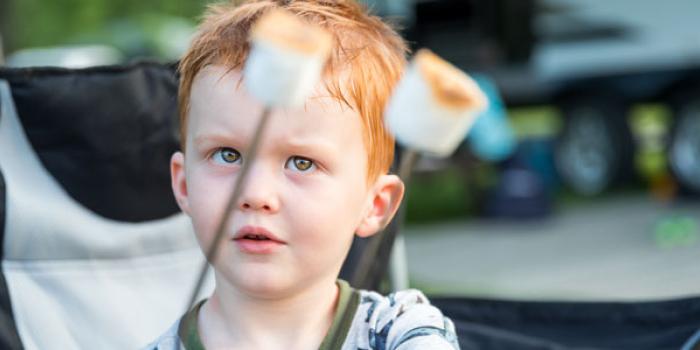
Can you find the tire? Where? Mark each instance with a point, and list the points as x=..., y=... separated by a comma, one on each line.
x=595, y=148
x=684, y=145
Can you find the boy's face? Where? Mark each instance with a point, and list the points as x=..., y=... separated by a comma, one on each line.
x=307, y=188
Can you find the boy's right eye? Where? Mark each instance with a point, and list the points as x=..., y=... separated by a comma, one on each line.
x=226, y=155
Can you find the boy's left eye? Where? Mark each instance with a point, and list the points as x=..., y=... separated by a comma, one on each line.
x=300, y=163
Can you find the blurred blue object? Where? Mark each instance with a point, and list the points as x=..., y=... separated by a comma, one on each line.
x=537, y=154
x=491, y=138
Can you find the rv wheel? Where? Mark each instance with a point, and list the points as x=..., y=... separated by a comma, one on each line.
x=595, y=146
x=684, y=146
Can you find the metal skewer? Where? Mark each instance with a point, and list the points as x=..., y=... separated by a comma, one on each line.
x=233, y=199
x=368, y=265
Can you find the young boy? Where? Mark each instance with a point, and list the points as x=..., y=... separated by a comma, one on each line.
x=320, y=177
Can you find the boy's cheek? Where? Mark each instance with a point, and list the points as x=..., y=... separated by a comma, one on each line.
x=203, y=226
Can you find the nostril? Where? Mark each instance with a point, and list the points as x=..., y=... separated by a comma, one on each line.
x=255, y=205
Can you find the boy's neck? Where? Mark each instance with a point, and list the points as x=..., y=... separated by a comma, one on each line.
x=231, y=319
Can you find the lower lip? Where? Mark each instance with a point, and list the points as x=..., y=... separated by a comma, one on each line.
x=257, y=247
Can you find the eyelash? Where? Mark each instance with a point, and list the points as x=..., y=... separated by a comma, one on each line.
x=218, y=155
x=292, y=163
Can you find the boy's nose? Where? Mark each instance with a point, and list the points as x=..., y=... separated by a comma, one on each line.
x=257, y=204
x=259, y=193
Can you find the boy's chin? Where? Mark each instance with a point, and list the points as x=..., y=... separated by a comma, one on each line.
x=263, y=285
x=260, y=286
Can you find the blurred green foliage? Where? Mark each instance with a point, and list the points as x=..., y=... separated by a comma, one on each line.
x=32, y=23
x=439, y=195
x=535, y=121
x=650, y=124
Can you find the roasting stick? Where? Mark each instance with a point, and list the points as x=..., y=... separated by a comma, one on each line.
x=283, y=68
x=233, y=199
x=432, y=109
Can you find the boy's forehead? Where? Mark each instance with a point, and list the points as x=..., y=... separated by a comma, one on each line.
x=213, y=84
x=218, y=95
x=217, y=82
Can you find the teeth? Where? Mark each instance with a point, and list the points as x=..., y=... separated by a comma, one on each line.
x=255, y=237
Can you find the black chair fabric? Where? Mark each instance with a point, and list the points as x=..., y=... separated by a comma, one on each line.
x=104, y=133
x=502, y=324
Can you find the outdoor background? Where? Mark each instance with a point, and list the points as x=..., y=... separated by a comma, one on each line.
x=581, y=183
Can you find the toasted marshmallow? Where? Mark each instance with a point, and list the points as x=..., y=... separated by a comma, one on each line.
x=286, y=59
x=433, y=106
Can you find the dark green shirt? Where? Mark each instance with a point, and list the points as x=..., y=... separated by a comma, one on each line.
x=348, y=300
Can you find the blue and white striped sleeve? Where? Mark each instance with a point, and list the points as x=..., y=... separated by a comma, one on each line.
x=401, y=321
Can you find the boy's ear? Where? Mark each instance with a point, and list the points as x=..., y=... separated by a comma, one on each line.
x=177, y=180
x=386, y=198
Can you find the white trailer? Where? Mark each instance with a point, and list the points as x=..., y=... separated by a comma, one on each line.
x=593, y=59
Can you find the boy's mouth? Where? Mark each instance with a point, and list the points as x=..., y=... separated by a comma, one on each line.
x=256, y=233
x=257, y=240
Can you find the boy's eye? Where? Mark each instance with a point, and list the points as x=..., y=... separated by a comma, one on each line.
x=300, y=163
x=226, y=156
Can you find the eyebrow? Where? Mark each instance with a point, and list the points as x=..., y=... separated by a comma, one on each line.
x=311, y=145
x=299, y=144
x=212, y=138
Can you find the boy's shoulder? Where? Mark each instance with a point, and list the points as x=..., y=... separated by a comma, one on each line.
x=401, y=320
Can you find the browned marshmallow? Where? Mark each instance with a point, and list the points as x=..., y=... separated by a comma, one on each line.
x=449, y=85
x=287, y=32
x=286, y=59
x=433, y=106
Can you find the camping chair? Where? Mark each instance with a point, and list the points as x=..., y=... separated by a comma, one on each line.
x=95, y=253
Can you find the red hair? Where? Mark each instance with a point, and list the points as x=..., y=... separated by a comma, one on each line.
x=367, y=60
